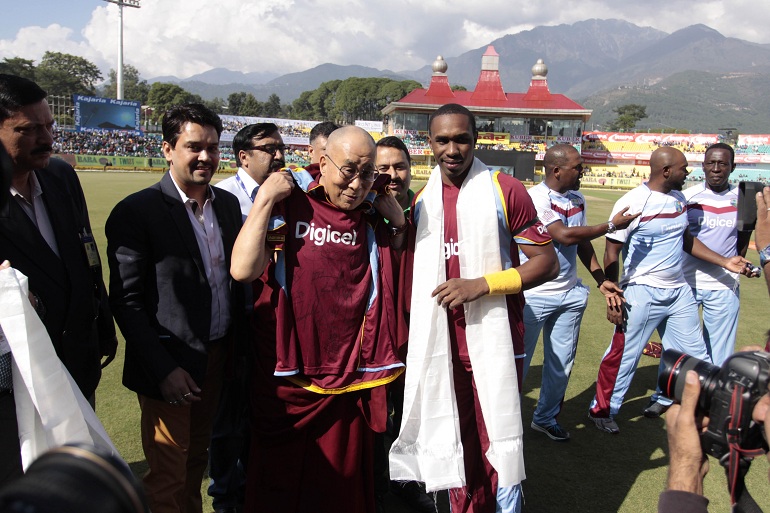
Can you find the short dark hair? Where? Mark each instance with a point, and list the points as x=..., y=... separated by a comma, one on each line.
x=322, y=130
x=721, y=146
x=454, y=108
x=242, y=140
x=17, y=92
x=175, y=118
x=392, y=141
x=556, y=156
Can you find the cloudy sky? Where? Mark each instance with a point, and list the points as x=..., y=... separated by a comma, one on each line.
x=185, y=37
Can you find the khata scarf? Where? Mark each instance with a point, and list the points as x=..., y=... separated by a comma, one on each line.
x=50, y=408
x=429, y=446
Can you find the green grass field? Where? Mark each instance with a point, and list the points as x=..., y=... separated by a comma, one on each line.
x=595, y=472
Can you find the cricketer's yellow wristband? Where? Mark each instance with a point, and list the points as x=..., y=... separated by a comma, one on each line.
x=504, y=282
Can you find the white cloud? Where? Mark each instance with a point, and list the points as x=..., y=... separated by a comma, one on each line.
x=185, y=37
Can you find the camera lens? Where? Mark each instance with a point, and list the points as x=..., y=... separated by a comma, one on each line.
x=674, y=368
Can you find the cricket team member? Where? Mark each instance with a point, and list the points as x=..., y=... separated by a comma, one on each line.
x=712, y=213
x=461, y=428
x=556, y=307
x=657, y=295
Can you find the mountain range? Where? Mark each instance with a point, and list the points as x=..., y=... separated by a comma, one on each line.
x=602, y=64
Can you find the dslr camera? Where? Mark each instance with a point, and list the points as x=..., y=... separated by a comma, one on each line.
x=728, y=395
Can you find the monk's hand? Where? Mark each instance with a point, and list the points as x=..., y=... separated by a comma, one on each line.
x=453, y=293
x=277, y=186
x=388, y=207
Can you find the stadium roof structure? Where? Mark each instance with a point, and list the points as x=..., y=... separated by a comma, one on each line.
x=489, y=96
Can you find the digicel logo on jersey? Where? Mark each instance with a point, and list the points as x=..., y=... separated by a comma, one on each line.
x=715, y=222
x=320, y=236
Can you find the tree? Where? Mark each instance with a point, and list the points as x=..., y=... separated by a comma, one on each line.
x=24, y=68
x=235, y=103
x=251, y=107
x=628, y=115
x=163, y=96
x=458, y=87
x=64, y=74
x=217, y=105
x=134, y=88
x=301, y=107
x=272, y=107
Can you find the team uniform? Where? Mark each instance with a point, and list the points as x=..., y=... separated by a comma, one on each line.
x=657, y=295
x=326, y=324
x=517, y=225
x=713, y=219
x=555, y=307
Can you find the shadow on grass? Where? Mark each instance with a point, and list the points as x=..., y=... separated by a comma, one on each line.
x=594, y=471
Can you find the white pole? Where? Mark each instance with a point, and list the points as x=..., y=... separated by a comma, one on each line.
x=120, y=51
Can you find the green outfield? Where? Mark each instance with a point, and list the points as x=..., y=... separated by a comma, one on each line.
x=595, y=472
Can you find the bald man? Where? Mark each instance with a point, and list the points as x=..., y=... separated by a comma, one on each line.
x=324, y=266
x=657, y=295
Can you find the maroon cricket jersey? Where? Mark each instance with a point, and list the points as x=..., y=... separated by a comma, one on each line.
x=332, y=289
x=521, y=227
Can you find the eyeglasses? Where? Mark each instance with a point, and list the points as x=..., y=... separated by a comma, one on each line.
x=714, y=165
x=270, y=148
x=369, y=174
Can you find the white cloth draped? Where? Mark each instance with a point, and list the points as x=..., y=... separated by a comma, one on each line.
x=429, y=446
x=50, y=408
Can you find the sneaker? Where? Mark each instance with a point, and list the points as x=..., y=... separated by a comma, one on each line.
x=655, y=409
x=606, y=424
x=554, y=432
x=414, y=495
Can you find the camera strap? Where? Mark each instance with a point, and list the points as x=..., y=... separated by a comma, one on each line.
x=738, y=460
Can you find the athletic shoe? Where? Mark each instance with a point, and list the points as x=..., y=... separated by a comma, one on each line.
x=555, y=432
x=606, y=424
x=655, y=409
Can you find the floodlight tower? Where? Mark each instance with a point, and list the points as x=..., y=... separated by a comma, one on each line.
x=120, y=4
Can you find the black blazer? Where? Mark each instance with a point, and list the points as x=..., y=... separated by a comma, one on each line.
x=77, y=314
x=159, y=292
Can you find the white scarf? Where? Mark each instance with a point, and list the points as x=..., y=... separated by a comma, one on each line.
x=429, y=446
x=50, y=409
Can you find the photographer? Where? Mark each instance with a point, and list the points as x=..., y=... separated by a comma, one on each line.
x=688, y=464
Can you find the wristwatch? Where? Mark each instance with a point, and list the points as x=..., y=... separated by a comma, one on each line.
x=764, y=256
x=611, y=228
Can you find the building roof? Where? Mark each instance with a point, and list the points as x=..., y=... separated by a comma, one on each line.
x=489, y=95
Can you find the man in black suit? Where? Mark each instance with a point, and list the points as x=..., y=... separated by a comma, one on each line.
x=169, y=252
x=46, y=234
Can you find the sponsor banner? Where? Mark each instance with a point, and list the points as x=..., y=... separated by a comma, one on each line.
x=752, y=159
x=493, y=138
x=420, y=151
x=370, y=126
x=620, y=162
x=106, y=114
x=413, y=133
x=755, y=139
x=610, y=181
x=649, y=138
x=101, y=161
x=421, y=171
x=594, y=161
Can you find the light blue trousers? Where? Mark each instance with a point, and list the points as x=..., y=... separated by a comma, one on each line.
x=558, y=316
